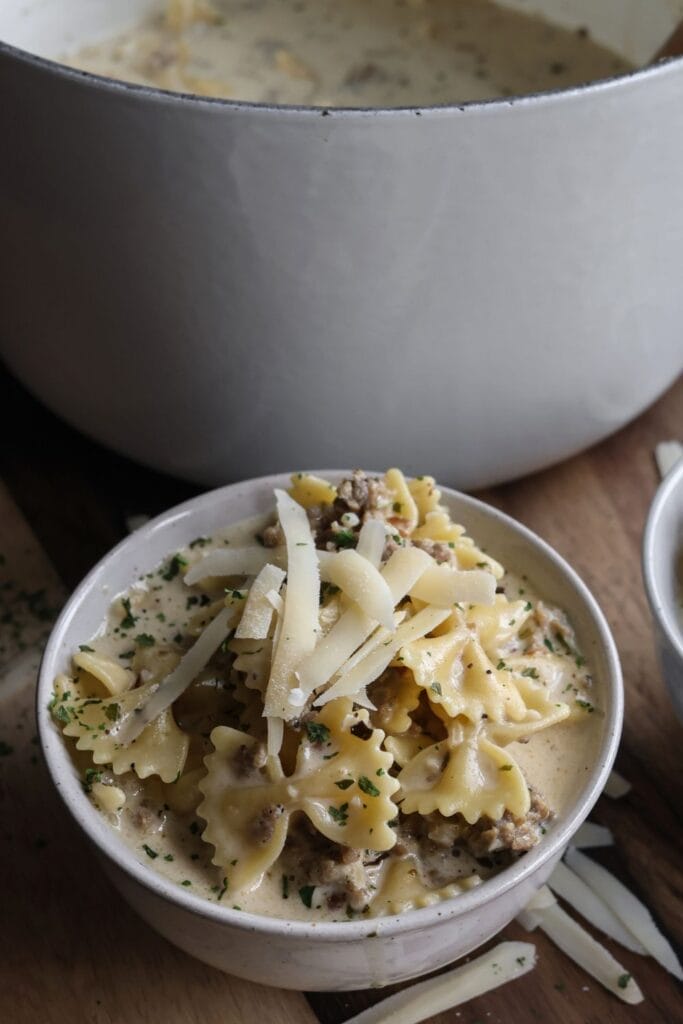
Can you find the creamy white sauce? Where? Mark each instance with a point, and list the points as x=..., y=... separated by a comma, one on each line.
x=350, y=53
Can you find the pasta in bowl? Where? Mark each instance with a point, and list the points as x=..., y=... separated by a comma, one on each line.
x=320, y=710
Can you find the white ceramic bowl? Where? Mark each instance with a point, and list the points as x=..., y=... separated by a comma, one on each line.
x=230, y=288
x=356, y=954
x=662, y=568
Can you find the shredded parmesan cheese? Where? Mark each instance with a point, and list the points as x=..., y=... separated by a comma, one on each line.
x=588, y=904
x=180, y=678
x=444, y=587
x=582, y=948
x=633, y=914
x=299, y=628
x=258, y=610
x=380, y=658
x=503, y=963
x=590, y=835
x=616, y=786
x=246, y=561
x=360, y=581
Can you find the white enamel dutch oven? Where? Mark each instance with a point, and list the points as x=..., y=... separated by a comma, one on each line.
x=220, y=288
x=350, y=954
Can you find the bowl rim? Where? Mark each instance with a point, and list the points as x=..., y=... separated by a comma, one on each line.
x=164, y=96
x=116, y=850
x=661, y=608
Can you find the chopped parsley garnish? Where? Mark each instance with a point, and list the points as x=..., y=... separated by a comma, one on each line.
x=380, y=771
x=186, y=882
x=129, y=619
x=149, y=851
x=368, y=786
x=501, y=665
x=436, y=687
x=92, y=775
x=531, y=673
x=200, y=542
x=317, y=732
x=549, y=645
x=223, y=890
x=168, y=857
x=339, y=814
x=62, y=714
x=505, y=768
x=397, y=506
x=344, y=539
x=528, y=606
x=306, y=894
x=482, y=565
x=86, y=649
x=173, y=568
x=344, y=783
x=145, y=640
x=127, y=655
x=161, y=617
x=285, y=887
x=585, y=704
x=112, y=711
x=623, y=980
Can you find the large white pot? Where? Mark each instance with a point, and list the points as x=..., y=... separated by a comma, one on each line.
x=221, y=289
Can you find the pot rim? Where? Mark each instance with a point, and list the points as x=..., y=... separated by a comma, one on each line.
x=182, y=99
x=108, y=843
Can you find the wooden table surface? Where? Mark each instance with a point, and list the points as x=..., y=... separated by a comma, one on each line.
x=73, y=951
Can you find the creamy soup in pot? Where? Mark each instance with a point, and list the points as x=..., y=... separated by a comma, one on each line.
x=350, y=53
x=345, y=708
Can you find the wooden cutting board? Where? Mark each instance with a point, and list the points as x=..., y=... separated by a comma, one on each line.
x=72, y=951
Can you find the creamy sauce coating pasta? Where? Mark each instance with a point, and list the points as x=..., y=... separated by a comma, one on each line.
x=454, y=760
x=350, y=53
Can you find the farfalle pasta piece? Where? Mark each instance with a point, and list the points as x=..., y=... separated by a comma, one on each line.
x=498, y=625
x=438, y=526
x=456, y=674
x=341, y=782
x=404, y=748
x=394, y=695
x=402, y=888
x=160, y=749
x=464, y=774
x=114, y=677
x=553, y=677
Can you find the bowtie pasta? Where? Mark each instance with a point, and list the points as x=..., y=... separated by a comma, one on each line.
x=338, y=710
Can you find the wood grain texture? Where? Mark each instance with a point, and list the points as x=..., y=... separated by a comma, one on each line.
x=591, y=508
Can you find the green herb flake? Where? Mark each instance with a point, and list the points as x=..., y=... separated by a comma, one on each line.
x=531, y=673
x=145, y=640
x=344, y=539
x=397, y=506
x=505, y=768
x=285, y=887
x=173, y=568
x=436, y=688
x=127, y=655
x=317, y=732
x=528, y=606
x=129, y=619
x=169, y=857
x=344, y=783
x=112, y=711
x=200, y=542
x=306, y=895
x=549, y=645
x=186, y=882
x=623, y=980
x=91, y=776
x=367, y=786
x=380, y=771
x=62, y=714
x=223, y=889
x=152, y=854
x=501, y=665
x=340, y=814
x=586, y=705
x=86, y=649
